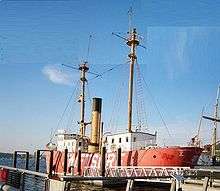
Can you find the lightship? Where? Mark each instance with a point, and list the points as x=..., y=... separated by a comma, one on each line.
x=138, y=148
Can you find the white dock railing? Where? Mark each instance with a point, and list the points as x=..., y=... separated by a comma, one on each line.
x=136, y=171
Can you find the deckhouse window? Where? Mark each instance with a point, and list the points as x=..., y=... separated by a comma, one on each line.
x=113, y=140
x=134, y=139
x=119, y=140
x=126, y=139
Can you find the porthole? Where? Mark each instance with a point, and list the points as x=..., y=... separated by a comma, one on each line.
x=154, y=156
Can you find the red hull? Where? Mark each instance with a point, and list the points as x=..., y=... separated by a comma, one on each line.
x=167, y=156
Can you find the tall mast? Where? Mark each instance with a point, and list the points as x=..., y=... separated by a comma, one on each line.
x=83, y=68
x=214, y=137
x=132, y=42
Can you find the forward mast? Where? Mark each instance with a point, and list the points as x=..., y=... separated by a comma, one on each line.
x=132, y=42
x=83, y=68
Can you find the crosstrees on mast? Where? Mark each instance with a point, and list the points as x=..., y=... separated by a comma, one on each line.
x=132, y=41
x=84, y=69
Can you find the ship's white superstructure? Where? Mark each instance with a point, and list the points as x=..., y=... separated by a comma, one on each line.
x=66, y=141
x=130, y=141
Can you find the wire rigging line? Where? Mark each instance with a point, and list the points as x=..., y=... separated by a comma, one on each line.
x=77, y=68
x=89, y=95
x=70, y=119
x=140, y=99
x=89, y=47
x=200, y=122
x=130, y=17
x=155, y=104
x=64, y=111
x=71, y=114
x=137, y=110
x=117, y=104
x=108, y=70
x=1, y=49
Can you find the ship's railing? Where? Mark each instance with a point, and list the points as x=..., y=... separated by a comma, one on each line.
x=138, y=171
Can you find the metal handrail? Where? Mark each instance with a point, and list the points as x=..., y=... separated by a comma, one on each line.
x=25, y=171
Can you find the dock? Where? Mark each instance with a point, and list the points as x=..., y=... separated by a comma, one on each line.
x=22, y=179
x=129, y=177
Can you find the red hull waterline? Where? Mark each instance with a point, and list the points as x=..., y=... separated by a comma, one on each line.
x=160, y=157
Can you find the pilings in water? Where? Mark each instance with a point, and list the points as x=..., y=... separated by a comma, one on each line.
x=110, y=174
x=37, y=161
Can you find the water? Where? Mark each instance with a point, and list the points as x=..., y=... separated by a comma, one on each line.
x=34, y=185
x=8, y=161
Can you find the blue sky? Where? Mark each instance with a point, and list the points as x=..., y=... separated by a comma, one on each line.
x=180, y=65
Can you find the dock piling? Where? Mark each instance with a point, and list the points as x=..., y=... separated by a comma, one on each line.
x=37, y=161
x=51, y=164
x=15, y=159
x=79, y=162
x=119, y=157
x=103, y=153
x=65, y=161
x=27, y=161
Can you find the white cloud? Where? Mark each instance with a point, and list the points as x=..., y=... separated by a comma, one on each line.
x=55, y=75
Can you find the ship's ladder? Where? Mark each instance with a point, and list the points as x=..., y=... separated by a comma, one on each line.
x=141, y=111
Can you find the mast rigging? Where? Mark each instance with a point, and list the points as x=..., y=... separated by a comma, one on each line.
x=214, y=138
x=216, y=120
